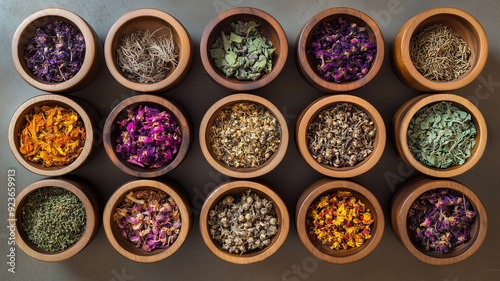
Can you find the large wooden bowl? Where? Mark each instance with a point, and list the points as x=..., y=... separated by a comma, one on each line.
x=305, y=60
x=111, y=133
x=408, y=193
x=127, y=248
x=222, y=167
x=85, y=112
x=327, y=186
x=142, y=20
x=87, y=195
x=93, y=50
x=402, y=119
x=235, y=189
x=312, y=111
x=269, y=27
x=462, y=23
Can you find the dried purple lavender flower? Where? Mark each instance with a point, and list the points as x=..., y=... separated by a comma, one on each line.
x=342, y=50
x=56, y=52
x=440, y=219
x=148, y=137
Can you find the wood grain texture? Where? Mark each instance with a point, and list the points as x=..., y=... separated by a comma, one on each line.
x=93, y=50
x=127, y=248
x=401, y=203
x=142, y=20
x=462, y=23
x=268, y=26
x=111, y=133
x=312, y=111
x=87, y=195
x=402, y=120
x=18, y=119
x=235, y=189
x=317, y=248
x=222, y=167
x=305, y=60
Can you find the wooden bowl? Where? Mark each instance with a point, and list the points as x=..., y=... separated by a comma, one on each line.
x=142, y=20
x=93, y=50
x=127, y=248
x=312, y=111
x=235, y=189
x=18, y=119
x=462, y=23
x=402, y=119
x=87, y=195
x=408, y=193
x=305, y=60
x=269, y=27
x=327, y=186
x=111, y=133
x=222, y=167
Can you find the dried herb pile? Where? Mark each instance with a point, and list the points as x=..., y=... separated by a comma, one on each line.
x=244, y=135
x=150, y=219
x=56, y=52
x=342, y=50
x=242, y=224
x=148, y=137
x=440, y=219
x=339, y=220
x=53, y=218
x=439, y=54
x=144, y=57
x=441, y=135
x=245, y=53
x=342, y=135
x=52, y=135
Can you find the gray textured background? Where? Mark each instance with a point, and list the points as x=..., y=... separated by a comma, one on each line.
x=290, y=93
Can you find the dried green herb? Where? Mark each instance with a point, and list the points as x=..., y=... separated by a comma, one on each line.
x=53, y=218
x=244, y=135
x=441, y=135
x=439, y=54
x=342, y=135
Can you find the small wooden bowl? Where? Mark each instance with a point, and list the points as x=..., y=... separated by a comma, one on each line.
x=128, y=249
x=87, y=195
x=327, y=186
x=402, y=119
x=93, y=50
x=462, y=23
x=142, y=20
x=269, y=27
x=408, y=193
x=235, y=189
x=18, y=119
x=222, y=167
x=312, y=111
x=111, y=133
x=305, y=60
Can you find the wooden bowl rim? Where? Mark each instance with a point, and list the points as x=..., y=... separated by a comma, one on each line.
x=345, y=172
x=481, y=137
x=466, y=78
x=217, y=194
x=241, y=86
x=147, y=184
x=29, y=248
x=267, y=166
x=417, y=189
x=90, y=50
x=50, y=99
x=312, y=75
x=185, y=56
x=312, y=193
x=134, y=101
